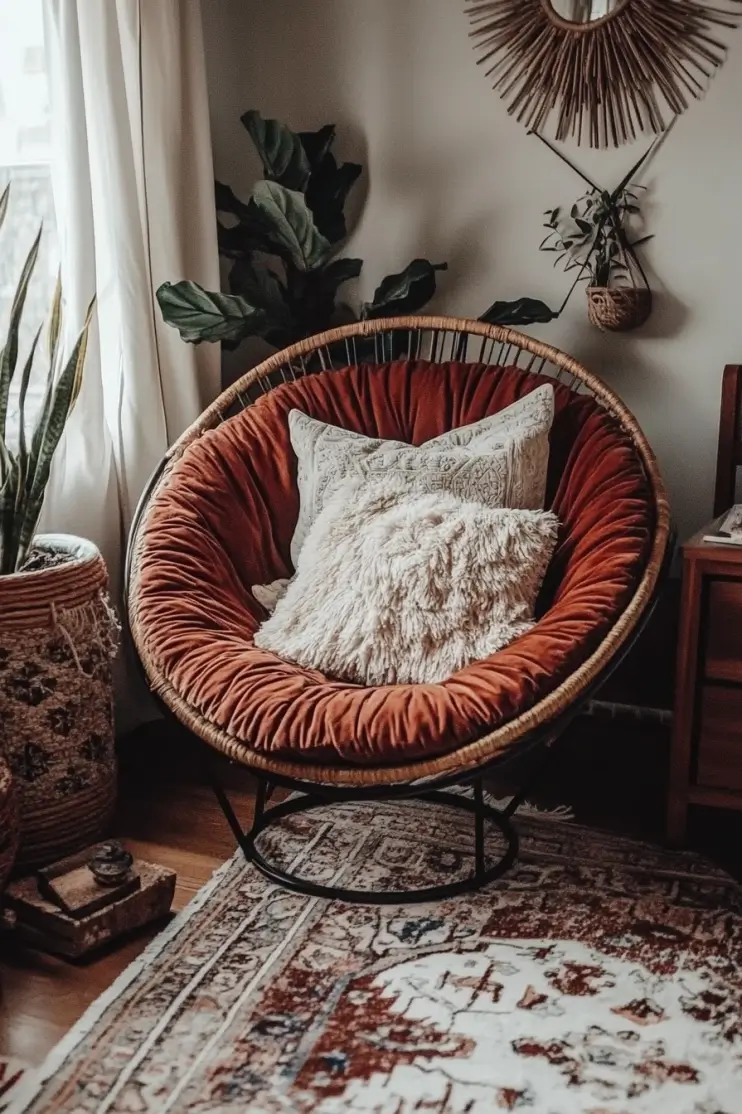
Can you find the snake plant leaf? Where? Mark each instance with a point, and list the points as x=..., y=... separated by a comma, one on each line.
x=25, y=380
x=406, y=292
x=5, y=461
x=327, y=192
x=281, y=151
x=11, y=492
x=55, y=323
x=317, y=144
x=290, y=226
x=78, y=356
x=200, y=314
x=73, y=367
x=4, y=200
x=9, y=355
x=48, y=434
x=523, y=311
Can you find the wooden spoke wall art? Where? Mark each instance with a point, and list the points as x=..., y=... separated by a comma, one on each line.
x=606, y=69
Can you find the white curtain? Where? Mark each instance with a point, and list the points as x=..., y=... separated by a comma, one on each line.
x=133, y=190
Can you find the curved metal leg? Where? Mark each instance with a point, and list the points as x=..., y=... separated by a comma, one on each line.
x=266, y=817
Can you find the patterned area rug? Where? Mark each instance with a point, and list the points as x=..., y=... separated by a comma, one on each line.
x=601, y=976
x=11, y=1074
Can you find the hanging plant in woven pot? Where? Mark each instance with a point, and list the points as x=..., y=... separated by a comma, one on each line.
x=593, y=238
x=58, y=632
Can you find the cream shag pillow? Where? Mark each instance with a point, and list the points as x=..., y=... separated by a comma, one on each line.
x=393, y=588
x=500, y=461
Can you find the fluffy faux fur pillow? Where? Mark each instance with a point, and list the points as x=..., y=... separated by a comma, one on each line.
x=500, y=461
x=394, y=588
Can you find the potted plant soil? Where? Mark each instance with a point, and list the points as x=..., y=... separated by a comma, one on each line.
x=58, y=632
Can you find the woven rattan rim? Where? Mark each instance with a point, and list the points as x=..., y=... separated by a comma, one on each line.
x=472, y=754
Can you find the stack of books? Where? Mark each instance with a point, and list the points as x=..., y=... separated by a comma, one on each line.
x=730, y=530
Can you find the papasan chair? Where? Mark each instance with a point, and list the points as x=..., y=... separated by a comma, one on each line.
x=218, y=516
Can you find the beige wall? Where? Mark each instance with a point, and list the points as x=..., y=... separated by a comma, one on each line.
x=451, y=176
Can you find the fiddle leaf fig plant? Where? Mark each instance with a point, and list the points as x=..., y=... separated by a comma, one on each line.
x=282, y=245
x=26, y=458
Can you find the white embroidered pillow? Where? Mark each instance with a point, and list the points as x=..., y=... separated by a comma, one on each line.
x=500, y=461
x=394, y=588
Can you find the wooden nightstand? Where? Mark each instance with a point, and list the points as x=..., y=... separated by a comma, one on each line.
x=706, y=765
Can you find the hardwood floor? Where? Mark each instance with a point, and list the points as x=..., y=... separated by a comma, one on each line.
x=613, y=776
x=176, y=823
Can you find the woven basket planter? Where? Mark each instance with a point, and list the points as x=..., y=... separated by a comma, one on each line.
x=8, y=822
x=58, y=636
x=618, y=309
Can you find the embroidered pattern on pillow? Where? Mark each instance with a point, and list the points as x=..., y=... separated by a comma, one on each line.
x=500, y=461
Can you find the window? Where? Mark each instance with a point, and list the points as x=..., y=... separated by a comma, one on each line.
x=25, y=162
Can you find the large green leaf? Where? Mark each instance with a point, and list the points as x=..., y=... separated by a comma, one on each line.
x=254, y=280
x=236, y=241
x=523, y=311
x=290, y=226
x=312, y=297
x=248, y=234
x=200, y=314
x=406, y=292
x=337, y=272
x=227, y=201
x=281, y=151
x=327, y=193
x=317, y=144
x=9, y=354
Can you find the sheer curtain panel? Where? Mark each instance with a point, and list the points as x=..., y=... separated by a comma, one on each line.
x=133, y=190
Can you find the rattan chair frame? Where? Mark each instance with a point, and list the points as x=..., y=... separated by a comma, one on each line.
x=435, y=339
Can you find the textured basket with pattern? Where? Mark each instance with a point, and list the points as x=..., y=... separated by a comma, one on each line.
x=8, y=822
x=618, y=309
x=58, y=636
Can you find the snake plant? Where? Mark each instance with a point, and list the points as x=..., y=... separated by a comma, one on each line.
x=24, y=468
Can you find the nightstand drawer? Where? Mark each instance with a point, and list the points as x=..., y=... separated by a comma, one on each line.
x=720, y=737
x=723, y=656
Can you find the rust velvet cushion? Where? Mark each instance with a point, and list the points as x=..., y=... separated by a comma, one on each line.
x=223, y=521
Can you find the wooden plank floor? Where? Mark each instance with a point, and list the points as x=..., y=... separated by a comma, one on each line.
x=612, y=774
x=178, y=825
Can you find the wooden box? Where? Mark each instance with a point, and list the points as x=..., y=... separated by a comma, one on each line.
x=42, y=924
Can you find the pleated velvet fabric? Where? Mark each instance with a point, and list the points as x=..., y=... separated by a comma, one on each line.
x=224, y=518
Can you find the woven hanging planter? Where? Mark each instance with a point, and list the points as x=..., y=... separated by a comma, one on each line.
x=58, y=636
x=618, y=309
x=8, y=822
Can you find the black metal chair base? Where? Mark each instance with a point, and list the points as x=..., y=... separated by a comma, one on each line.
x=481, y=876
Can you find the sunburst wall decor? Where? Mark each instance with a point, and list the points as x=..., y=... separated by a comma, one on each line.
x=605, y=69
